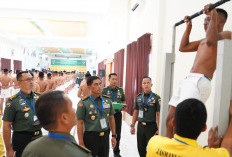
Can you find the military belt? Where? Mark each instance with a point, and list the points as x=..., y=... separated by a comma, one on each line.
x=96, y=133
x=146, y=123
x=33, y=133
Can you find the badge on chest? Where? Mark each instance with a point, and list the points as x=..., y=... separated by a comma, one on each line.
x=106, y=105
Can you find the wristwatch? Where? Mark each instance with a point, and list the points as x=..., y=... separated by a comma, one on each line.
x=132, y=125
x=114, y=135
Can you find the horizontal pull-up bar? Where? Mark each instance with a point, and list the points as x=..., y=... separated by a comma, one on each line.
x=202, y=11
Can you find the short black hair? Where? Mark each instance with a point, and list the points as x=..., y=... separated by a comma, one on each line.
x=144, y=77
x=17, y=71
x=48, y=107
x=190, y=118
x=91, y=79
x=87, y=75
x=19, y=75
x=5, y=70
x=222, y=12
x=41, y=74
x=10, y=71
x=112, y=74
x=49, y=74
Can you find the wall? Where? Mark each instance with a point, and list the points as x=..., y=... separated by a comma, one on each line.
x=184, y=61
x=158, y=17
x=10, y=48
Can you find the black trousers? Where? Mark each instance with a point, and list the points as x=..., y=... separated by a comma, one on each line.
x=99, y=145
x=144, y=133
x=21, y=139
x=118, y=125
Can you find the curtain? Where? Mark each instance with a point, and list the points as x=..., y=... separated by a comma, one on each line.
x=6, y=63
x=137, y=67
x=102, y=71
x=17, y=65
x=144, y=49
x=131, y=71
x=119, y=66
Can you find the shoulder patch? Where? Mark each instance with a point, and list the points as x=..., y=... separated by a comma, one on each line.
x=84, y=149
x=106, y=96
x=13, y=97
x=85, y=98
x=80, y=105
x=37, y=93
x=8, y=104
x=139, y=94
x=156, y=95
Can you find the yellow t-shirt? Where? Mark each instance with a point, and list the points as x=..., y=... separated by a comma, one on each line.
x=159, y=146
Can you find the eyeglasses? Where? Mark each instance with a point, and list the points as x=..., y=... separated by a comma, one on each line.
x=28, y=79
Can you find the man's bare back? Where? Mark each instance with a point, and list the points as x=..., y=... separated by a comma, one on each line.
x=36, y=88
x=6, y=81
x=43, y=86
x=15, y=83
x=83, y=90
x=51, y=84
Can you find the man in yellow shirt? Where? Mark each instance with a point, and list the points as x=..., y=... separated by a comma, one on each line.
x=189, y=121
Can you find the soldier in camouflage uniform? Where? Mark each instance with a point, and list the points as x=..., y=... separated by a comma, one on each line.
x=95, y=116
x=146, y=110
x=20, y=115
x=117, y=96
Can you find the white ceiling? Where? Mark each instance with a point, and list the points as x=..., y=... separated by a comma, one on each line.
x=18, y=14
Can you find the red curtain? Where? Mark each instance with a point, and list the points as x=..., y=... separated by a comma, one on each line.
x=131, y=71
x=144, y=49
x=119, y=66
x=17, y=65
x=137, y=67
x=102, y=67
x=6, y=63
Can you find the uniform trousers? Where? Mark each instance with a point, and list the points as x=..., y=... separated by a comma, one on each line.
x=21, y=139
x=118, y=125
x=97, y=143
x=144, y=133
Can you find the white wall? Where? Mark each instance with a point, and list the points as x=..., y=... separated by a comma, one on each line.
x=158, y=17
x=21, y=53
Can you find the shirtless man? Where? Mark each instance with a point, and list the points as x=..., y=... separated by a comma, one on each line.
x=42, y=84
x=83, y=90
x=5, y=90
x=197, y=83
x=16, y=88
x=51, y=82
x=36, y=75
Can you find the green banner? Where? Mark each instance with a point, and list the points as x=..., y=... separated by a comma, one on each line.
x=67, y=62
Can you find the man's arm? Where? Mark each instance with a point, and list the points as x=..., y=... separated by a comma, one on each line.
x=224, y=35
x=47, y=88
x=227, y=140
x=134, y=119
x=7, y=138
x=169, y=131
x=80, y=128
x=79, y=93
x=212, y=32
x=185, y=45
x=53, y=85
x=112, y=127
x=158, y=118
